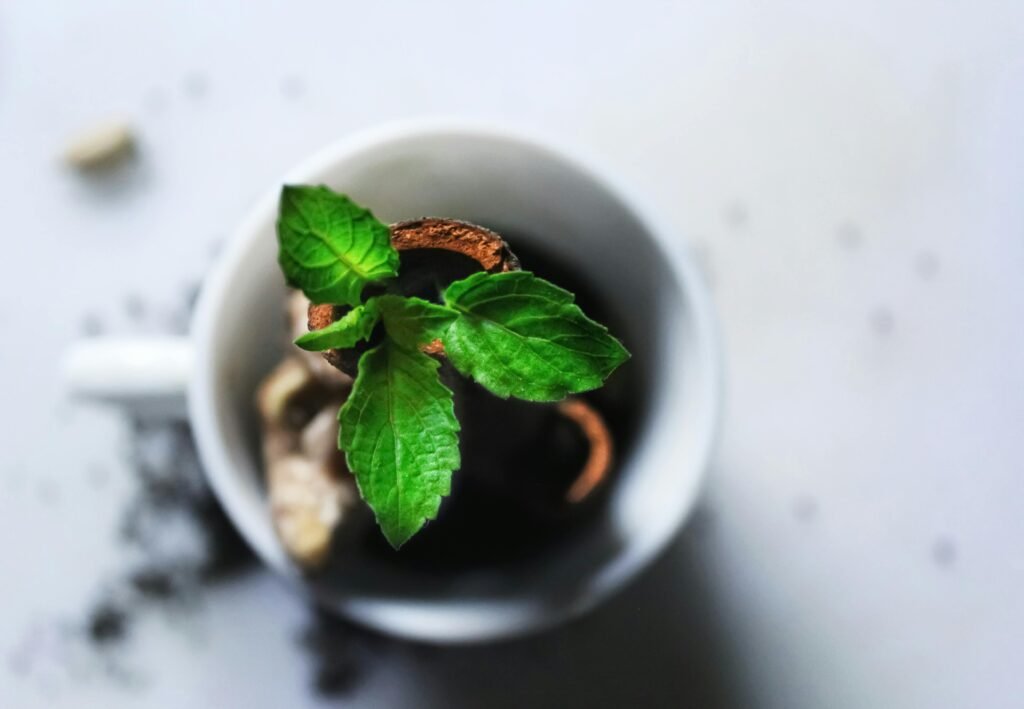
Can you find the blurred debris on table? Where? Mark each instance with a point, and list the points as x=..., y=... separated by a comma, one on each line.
x=101, y=147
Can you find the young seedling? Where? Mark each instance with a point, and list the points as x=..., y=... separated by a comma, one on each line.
x=513, y=333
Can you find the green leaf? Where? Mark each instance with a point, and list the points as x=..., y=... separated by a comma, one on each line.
x=413, y=321
x=518, y=335
x=353, y=326
x=330, y=247
x=400, y=437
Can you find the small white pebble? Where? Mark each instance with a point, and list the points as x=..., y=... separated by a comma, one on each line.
x=100, y=146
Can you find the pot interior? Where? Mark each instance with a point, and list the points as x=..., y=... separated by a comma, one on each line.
x=544, y=204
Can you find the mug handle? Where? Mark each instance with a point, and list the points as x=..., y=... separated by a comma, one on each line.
x=148, y=376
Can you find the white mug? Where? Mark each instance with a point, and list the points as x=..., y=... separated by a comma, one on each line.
x=495, y=177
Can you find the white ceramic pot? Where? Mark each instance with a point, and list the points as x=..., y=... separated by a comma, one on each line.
x=498, y=178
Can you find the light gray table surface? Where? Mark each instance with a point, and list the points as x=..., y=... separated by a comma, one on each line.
x=849, y=174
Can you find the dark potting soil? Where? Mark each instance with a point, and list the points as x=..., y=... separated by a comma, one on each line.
x=175, y=526
x=518, y=458
x=107, y=624
x=181, y=545
x=178, y=539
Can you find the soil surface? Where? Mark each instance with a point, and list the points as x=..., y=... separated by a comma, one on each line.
x=519, y=459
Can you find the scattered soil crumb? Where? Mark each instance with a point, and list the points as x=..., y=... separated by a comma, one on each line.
x=736, y=215
x=292, y=87
x=927, y=265
x=134, y=307
x=850, y=236
x=882, y=321
x=107, y=624
x=196, y=85
x=339, y=652
x=805, y=509
x=943, y=552
x=92, y=325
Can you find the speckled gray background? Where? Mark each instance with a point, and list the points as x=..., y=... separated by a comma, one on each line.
x=850, y=175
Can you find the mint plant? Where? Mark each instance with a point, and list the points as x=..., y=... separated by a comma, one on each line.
x=513, y=333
